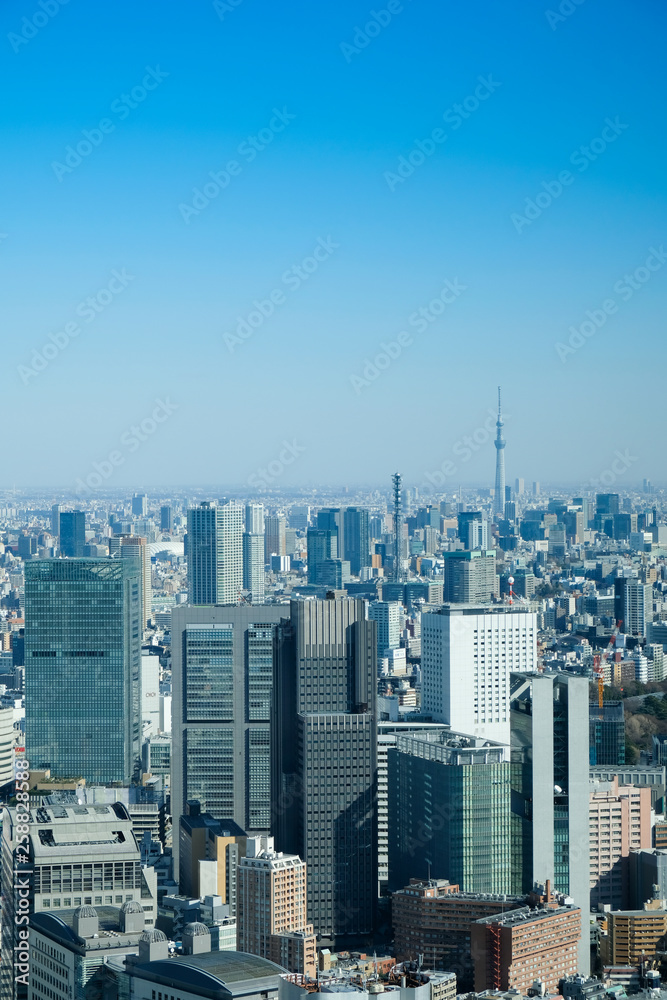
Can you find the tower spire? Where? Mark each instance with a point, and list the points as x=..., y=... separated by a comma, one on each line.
x=499, y=493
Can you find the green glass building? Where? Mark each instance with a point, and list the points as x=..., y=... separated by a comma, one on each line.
x=82, y=667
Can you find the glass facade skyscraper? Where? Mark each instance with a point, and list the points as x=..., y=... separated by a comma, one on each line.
x=357, y=538
x=82, y=674
x=607, y=733
x=72, y=525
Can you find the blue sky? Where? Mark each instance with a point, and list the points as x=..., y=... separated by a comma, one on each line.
x=327, y=178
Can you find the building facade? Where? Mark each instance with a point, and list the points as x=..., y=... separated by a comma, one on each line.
x=215, y=553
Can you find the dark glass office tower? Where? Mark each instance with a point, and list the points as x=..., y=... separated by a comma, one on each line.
x=324, y=761
x=322, y=549
x=82, y=675
x=607, y=733
x=72, y=533
x=357, y=538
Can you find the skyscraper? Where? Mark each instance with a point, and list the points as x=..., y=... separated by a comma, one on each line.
x=357, y=538
x=550, y=793
x=275, y=543
x=322, y=548
x=387, y=615
x=140, y=505
x=253, y=552
x=222, y=671
x=499, y=493
x=215, y=553
x=324, y=760
x=468, y=652
x=470, y=576
x=166, y=518
x=135, y=547
x=473, y=529
x=82, y=674
x=55, y=519
x=72, y=533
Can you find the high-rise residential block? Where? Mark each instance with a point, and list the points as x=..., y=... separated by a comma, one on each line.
x=470, y=577
x=619, y=822
x=222, y=662
x=275, y=542
x=324, y=780
x=637, y=606
x=449, y=812
x=135, y=547
x=215, y=553
x=82, y=675
x=550, y=795
x=468, y=652
x=357, y=539
x=72, y=533
x=634, y=936
x=271, y=911
x=473, y=529
x=513, y=950
x=387, y=615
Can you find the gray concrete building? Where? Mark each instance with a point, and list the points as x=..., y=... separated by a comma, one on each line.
x=222, y=669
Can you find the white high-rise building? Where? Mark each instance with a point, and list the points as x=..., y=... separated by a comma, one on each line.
x=253, y=552
x=387, y=614
x=468, y=651
x=215, y=553
x=254, y=518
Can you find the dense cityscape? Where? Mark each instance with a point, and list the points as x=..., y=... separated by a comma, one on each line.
x=392, y=740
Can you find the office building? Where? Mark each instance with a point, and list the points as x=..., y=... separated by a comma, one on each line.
x=55, y=519
x=139, y=505
x=432, y=917
x=83, y=660
x=215, y=553
x=322, y=549
x=275, y=542
x=357, y=538
x=135, y=547
x=222, y=660
x=519, y=487
x=647, y=876
x=514, y=950
x=333, y=519
x=324, y=780
x=208, y=855
x=619, y=822
x=550, y=795
x=468, y=652
x=449, y=812
x=607, y=503
x=70, y=946
x=470, y=577
x=72, y=533
x=271, y=912
x=166, y=519
x=387, y=615
x=473, y=529
x=607, y=733
x=79, y=856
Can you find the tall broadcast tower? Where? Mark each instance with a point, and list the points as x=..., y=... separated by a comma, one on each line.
x=398, y=525
x=499, y=495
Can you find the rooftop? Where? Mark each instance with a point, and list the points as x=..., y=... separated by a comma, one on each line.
x=216, y=975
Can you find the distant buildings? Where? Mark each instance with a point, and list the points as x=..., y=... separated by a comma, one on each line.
x=356, y=536
x=324, y=765
x=271, y=912
x=83, y=659
x=470, y=577
x=274, y=535
x=215, y=553
x=387, y=616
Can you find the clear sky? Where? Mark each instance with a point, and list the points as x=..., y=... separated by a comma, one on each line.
x=303, y=111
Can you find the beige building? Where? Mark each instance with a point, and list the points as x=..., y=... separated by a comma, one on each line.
x=634, y=935
x=619, y=822
x=209, y=853
x=271, y=912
